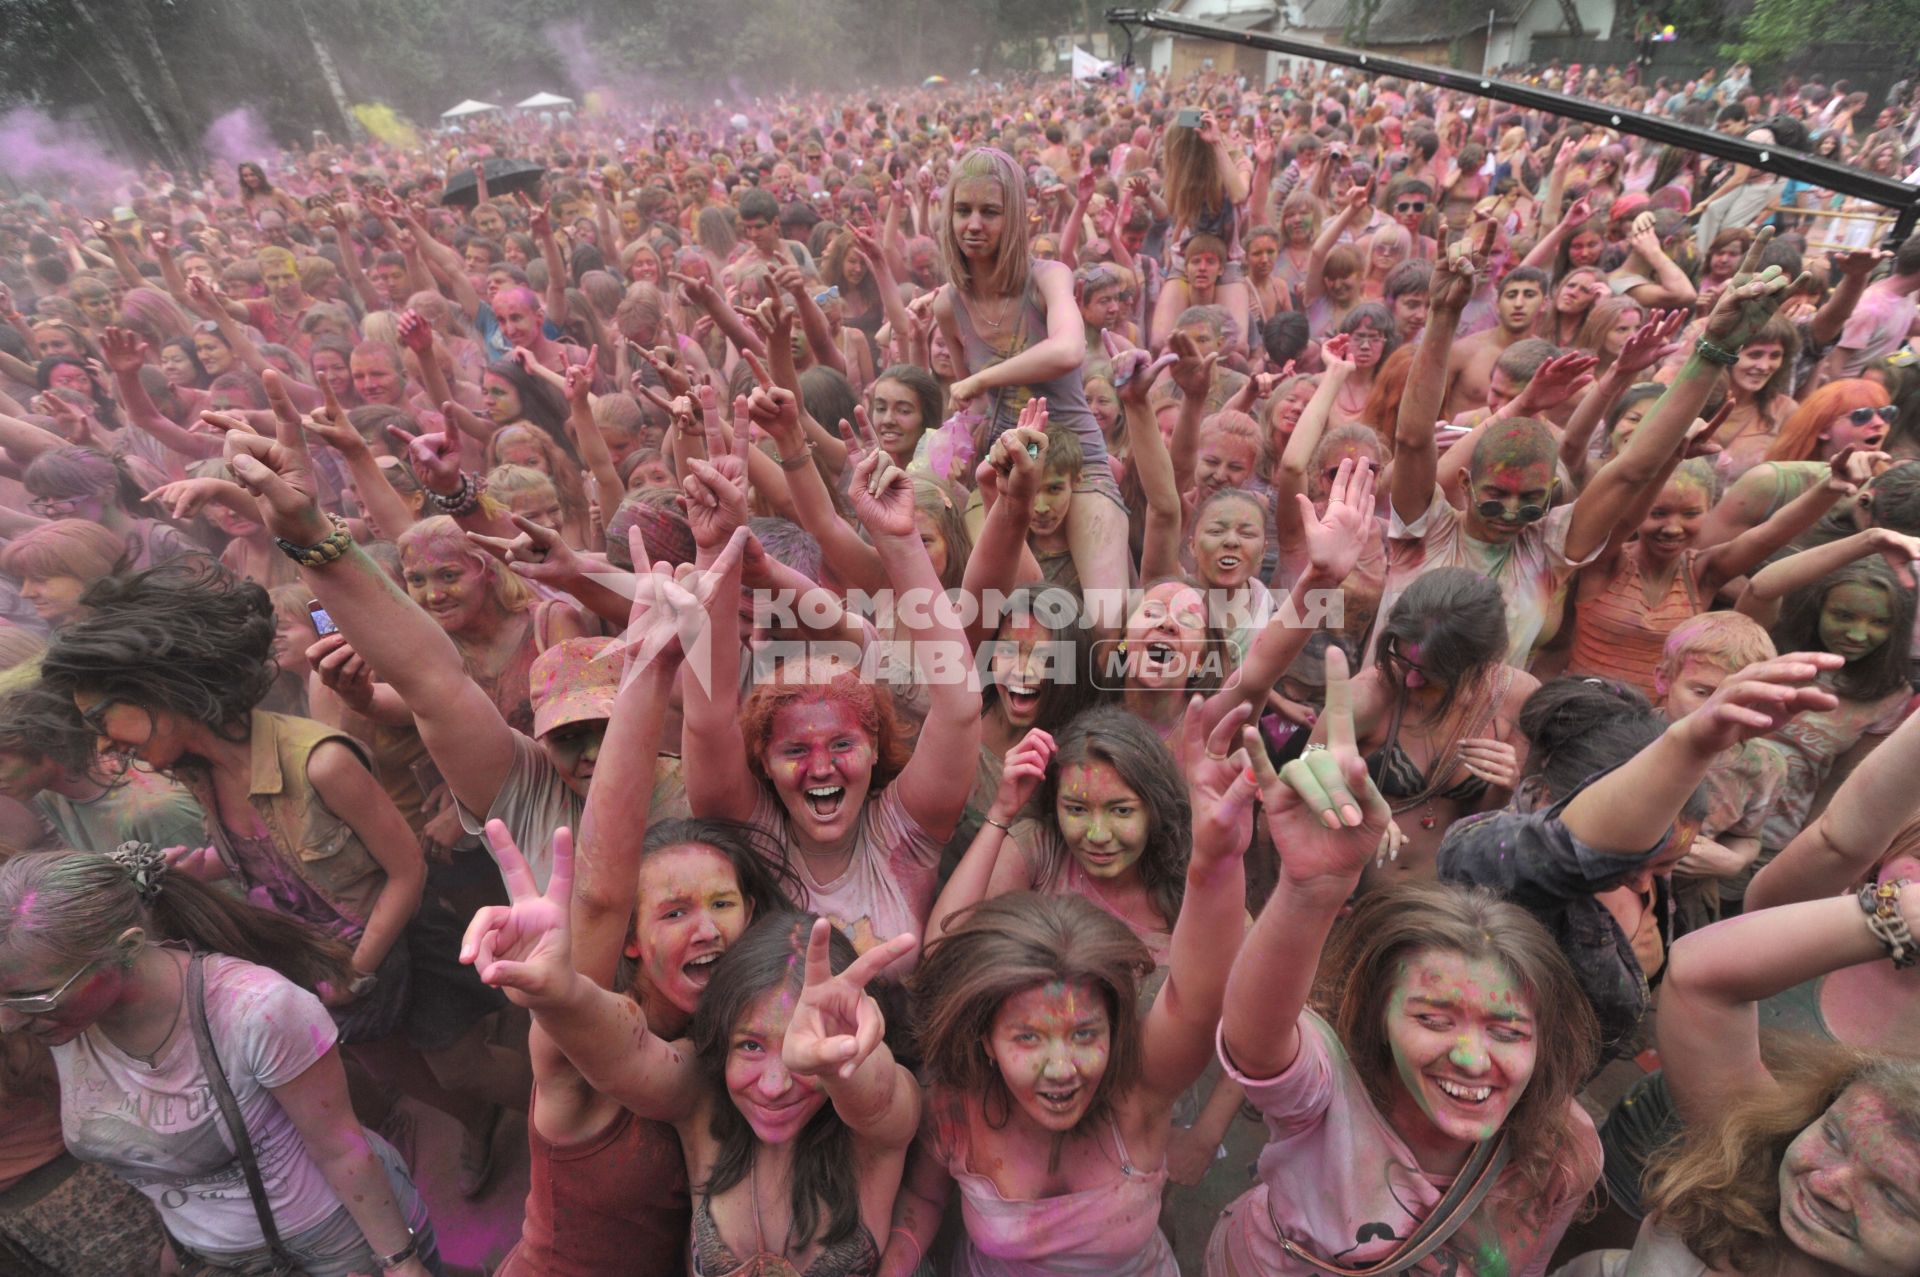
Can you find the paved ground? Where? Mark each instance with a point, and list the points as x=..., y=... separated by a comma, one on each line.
x=471, y=1233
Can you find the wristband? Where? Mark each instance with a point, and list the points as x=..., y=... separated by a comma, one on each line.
x=1002, y=827
x=322, y=552
x=1716, y=354
x=800, y=462
x=363, y=984
x=1881, y=903
x=388, y=1263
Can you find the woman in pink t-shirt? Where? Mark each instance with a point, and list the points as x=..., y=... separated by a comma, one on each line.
x=1455, y=1039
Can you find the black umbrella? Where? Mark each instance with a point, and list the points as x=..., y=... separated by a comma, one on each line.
x=504, y=177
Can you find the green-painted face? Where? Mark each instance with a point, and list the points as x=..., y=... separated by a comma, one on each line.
x=1462, y=1035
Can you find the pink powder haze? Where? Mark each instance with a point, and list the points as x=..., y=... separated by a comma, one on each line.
x=238, y=135
x=37, y=150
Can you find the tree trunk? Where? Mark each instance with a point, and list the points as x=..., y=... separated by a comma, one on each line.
x=166, y=133
x=323, y=58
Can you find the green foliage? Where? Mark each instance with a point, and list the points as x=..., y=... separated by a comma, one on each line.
x=196, y=59
x=1776, y=31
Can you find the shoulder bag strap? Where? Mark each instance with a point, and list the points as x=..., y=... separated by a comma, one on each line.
x=1463, y=1198
x=230, y=1112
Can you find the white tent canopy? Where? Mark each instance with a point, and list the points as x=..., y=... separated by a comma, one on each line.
x=543, y=102
x=470, y=107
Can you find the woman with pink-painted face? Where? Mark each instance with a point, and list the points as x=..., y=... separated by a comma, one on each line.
x=1444, y=1050
x=793, y=1117
x=1050, y=1089
x=815, y=760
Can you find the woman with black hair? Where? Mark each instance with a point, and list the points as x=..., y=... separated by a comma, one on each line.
x=168, y=670
x=1437, y=714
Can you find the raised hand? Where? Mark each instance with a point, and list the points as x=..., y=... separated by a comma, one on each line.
x=580, y=379
x=1749, y=300
x=1322, y=808
x=1192, y=371
x=881, y=495
x=434, y=457
x=777, y=412
x=185, y=498
x=1021, y=775
x=1336, y=538
x=671, y=612
x=538, y=553
x=716, y=505
x=1760, y=699
x=278, y=471
x=416, y=334
x=1558, y=380
x=1336, y=353
x=525, y=948
x=1451, y=286
x=1652, y=341
x=330, y=425
x=1220, y=780
x=123, y=350
x=1134, y=371
x=837, y=1025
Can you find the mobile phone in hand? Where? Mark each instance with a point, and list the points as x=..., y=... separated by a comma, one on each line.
x=1188, y=117
x=322, y=623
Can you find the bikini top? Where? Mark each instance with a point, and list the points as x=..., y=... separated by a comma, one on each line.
x=1399, y=780
x=855, y=1256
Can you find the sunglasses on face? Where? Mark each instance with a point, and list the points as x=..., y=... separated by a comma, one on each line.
x=50, y=508
x=45, y=1003
x=1414, y=206
x=1864, y=416
x=1501, y=512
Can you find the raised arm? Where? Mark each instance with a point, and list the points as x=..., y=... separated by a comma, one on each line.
x=1844, y=843
x=1312, y=288
x=1000, y=558
x=1731, y=559
x=1632, y=807
x=464, y=733
x=126, y=354
x=1134, y=372
x=1324, y=810
x=1416, y=454
x=1741, y=310
x=1773, y=583
x=525, y=949
x=1177, y=1033
x=1716, y=978
x=932, y=789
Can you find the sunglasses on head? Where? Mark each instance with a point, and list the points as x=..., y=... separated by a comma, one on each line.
x=1862, y=416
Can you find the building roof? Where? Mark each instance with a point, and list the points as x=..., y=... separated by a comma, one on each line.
x=1424, y=22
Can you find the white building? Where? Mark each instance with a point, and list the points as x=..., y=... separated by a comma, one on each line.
x=1493, y=33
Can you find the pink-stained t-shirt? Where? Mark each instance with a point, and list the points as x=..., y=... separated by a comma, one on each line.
x=1532, y=570
x=1343, y=1185
x=887, y=888
x=1112, y=1230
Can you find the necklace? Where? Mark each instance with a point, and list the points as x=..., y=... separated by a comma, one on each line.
x=977, y=313
x=179, y=1001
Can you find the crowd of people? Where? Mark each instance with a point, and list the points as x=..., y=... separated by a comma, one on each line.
x=1039, y=663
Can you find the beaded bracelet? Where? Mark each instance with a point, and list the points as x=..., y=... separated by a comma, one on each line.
x=463, y=501
x=1881, y=903
x=322, y=552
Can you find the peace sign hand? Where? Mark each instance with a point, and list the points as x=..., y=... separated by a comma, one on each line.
x=837, y=1025
x=525, y=948
x=538, y=553
x=671, y=611
x=1326, y=817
